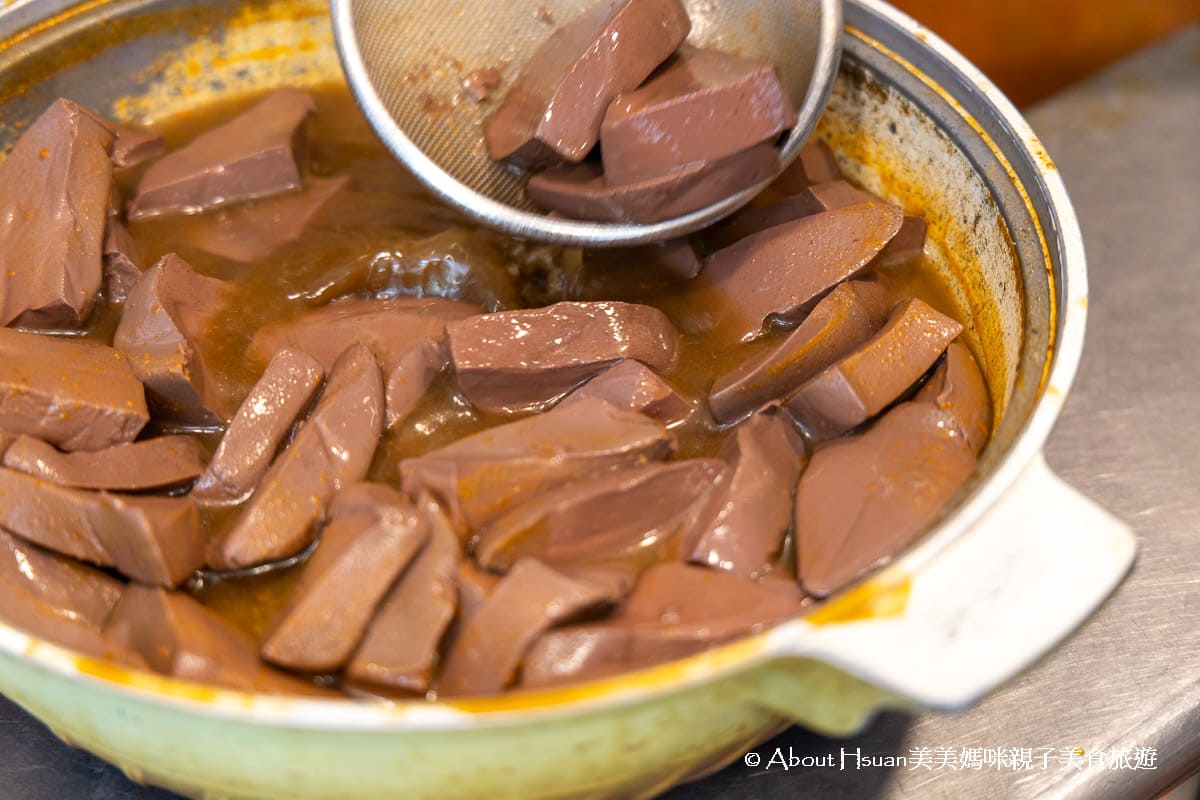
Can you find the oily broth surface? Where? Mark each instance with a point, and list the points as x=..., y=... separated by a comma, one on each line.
x=385, y=235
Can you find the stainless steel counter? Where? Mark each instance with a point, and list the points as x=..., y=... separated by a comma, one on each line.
x=1128, y=144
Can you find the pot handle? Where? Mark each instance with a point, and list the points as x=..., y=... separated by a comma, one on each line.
x=984, y=608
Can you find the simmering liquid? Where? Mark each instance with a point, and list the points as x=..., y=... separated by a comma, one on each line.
x=386, y=236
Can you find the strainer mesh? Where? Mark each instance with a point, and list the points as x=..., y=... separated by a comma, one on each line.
x=418, y=52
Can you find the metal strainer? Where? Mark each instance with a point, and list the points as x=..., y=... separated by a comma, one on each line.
x=406, y=61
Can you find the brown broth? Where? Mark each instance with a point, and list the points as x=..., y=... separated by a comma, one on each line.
x=388, y=236
x=252, y=602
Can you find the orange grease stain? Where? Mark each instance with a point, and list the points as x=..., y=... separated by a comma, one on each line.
x=882, y=597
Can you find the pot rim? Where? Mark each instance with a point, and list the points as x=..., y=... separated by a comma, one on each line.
x=1068, y=317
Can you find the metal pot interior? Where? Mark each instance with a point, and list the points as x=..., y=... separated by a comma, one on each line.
x=895, y=129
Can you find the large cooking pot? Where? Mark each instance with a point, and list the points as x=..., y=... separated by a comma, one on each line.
x=1016, y=563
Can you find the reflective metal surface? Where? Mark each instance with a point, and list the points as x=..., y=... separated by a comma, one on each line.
x=1125, y=142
